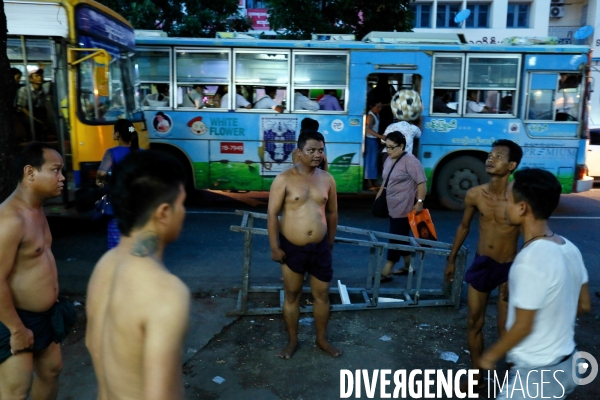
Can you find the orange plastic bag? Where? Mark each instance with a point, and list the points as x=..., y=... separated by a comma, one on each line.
x=421, y=225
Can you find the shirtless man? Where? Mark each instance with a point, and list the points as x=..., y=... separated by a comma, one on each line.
x=302, y=241
x=29, y=281
x=137, y=310
x=497, y=246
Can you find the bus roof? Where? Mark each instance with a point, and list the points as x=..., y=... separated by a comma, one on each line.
x=355, y=45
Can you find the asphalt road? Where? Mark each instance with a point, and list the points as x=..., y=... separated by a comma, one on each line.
x=208, y=255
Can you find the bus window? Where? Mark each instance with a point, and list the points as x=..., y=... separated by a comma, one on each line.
x=319, y=72
x=201, y=78
x=36, y=109
x=490, y=79
x=260, y=72
x=154, y=77
x=553, y=97
x=447, y=83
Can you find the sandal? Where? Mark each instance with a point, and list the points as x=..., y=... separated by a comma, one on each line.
x=402, y=271
x=385, y=279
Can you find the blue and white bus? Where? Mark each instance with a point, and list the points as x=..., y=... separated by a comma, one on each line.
x=536, y=95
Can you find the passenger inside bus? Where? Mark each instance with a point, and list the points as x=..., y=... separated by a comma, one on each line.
x=39, y=111
x=217, y=100
x=267, y=102
x=240, y=101
x=17, y=74
x=302, y=102
x=195, y=97
x=473, y=106
x=160, y=98
x=330, y=102
x=441, y=98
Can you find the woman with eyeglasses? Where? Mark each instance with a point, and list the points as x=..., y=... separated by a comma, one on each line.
x=406, y=190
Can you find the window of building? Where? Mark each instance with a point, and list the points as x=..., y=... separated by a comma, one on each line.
x=518, y=15
x=446, y=14
x=447, y=83
x=491, y=84
x=263, y=74
x=201, y=78
x=422, y=15
x=478, y=17
x=255, y=4
x=154, y=73
x=317, y=75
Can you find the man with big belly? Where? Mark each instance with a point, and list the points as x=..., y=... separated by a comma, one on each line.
x=32, y=320
x=303, y=239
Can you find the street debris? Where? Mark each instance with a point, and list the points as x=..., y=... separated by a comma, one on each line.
x=218, y=379
x=385, y=338
x=306, y=321
x=449, y=356
x=76, y=303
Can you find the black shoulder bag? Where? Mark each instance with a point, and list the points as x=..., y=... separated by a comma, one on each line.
x=380, y=207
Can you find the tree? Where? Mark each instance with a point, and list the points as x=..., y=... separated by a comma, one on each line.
x=188, y=18
x=299, y=18
x=7, y=98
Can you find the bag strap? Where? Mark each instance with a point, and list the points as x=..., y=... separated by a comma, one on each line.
x=388, y=177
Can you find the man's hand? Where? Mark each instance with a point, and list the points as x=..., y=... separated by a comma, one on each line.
x=278, y=255
x=21, y=340
x=486, y=362
x=449, y=272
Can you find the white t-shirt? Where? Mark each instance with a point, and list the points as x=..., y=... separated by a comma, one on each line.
x=546, y=277
x=240, y=101
x=265, y=103
x=474, y=107
x=409, y=131
x=301, y=102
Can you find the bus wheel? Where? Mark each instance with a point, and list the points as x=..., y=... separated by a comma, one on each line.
x=456, y=178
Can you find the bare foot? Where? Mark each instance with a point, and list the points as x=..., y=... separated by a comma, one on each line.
x=328, y=348
x=288, y=351
x=479, y=388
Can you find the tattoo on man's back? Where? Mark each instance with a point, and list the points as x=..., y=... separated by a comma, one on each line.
x=146, y=245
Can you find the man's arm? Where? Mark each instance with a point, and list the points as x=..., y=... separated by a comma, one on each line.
x=331, y=212
x=11, y=235
x=584, y=305
x=369, y=128
x=276, y=199
x=165, y=329
x=461, y=232
x=519, y=331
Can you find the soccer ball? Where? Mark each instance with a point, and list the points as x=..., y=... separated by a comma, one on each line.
x=407, y=105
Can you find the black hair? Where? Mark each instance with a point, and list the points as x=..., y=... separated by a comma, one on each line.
x=397, y=137
x=270, y=89
x=515, y=152
x=373, y=100
x=309, y=124
x=162, y=87
x=538, y=188
x=307, y=135
x=141, y=182
x=32, y=154
x=14, y=71
x=127, y=131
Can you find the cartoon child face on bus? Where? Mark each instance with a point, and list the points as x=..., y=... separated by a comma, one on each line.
x=197, y=126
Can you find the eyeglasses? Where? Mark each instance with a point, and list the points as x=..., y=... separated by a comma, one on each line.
x=390, y=148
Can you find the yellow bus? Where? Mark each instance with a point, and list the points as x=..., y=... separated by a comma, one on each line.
x=73, y=62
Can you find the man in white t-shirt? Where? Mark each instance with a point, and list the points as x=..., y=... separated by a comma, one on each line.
x=302, y=102
x=409, y=131
x=267, y=102
x=547, y=290
x=473, y=107
x=240, y=101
